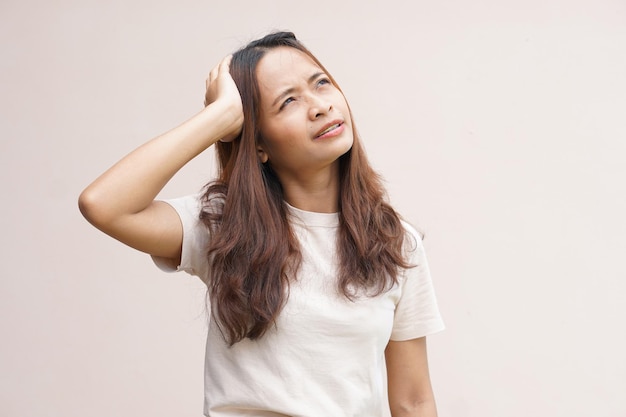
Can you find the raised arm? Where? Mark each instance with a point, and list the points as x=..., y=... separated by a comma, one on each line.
x=121, y=201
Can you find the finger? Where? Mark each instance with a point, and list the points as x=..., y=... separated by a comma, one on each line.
x=224, y=66
x=213, y=74
x=209, y=78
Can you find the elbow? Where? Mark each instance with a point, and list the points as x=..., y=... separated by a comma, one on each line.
x=402, y=410
x=410, y=408
x=92, y=208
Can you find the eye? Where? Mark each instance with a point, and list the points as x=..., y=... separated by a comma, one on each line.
x=323, y=81
x=287, y=101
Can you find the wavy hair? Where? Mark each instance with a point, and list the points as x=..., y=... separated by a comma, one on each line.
x=253, y=250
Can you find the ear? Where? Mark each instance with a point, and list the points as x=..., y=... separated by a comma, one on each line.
x=263, y=156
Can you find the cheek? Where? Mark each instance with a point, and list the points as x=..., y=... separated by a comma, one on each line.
x=275, y=141
x=283, y=133
x=343, y=107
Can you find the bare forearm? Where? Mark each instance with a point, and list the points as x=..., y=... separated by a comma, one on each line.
x=121, y=201
x=132, y=184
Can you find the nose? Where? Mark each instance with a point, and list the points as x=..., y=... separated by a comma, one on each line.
x=319, y=106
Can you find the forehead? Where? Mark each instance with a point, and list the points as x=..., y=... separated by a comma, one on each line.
x=283, y=67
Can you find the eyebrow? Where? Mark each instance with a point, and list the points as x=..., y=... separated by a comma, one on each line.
x=291, y=89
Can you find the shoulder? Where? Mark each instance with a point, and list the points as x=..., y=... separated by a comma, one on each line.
x=196, y=206
x=413, y=238
x=189, y=205
x=195, y=236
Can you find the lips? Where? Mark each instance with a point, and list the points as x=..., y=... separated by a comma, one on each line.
x=329, y=127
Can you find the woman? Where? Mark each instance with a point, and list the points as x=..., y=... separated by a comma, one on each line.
x=320, y=296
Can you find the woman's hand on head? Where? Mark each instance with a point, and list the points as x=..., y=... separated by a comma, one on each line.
x=222, y=91
x=121, y=201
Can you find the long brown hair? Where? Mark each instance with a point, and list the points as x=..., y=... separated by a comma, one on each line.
x=253, y=250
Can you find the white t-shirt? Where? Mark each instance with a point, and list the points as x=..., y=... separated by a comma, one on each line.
x=325, y=356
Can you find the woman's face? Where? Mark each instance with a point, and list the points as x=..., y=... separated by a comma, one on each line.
x=304, y=119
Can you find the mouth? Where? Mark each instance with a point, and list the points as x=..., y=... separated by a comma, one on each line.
x=336, y=124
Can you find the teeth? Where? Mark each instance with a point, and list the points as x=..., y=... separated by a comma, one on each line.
x=329, y=129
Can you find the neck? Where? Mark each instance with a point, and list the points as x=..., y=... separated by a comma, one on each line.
x=317, y=193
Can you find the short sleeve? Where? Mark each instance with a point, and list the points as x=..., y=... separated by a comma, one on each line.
x=195, y=239
x=417, y=313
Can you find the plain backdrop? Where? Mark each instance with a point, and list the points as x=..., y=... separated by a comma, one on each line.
x=499, y=127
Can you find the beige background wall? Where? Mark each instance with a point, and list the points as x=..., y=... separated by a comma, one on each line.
x=500, y=127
